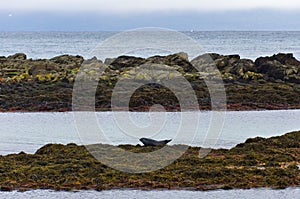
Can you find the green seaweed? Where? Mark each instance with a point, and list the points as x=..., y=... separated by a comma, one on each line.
x=72, y=167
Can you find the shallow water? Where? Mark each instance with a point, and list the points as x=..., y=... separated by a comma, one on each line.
x=29, y=131
x=290, y=193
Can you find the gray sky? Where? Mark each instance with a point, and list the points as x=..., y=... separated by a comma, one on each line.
x=127, y=6
x=99, y=15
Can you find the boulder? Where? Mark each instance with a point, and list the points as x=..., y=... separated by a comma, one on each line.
x=68, y=61
x=226, y=64
x=285, y=59
x=17, y=56
x=242, y=66
x=272, y=69
x=178, y=59
x=123, y=62
x=280, y=67
x=3, y=59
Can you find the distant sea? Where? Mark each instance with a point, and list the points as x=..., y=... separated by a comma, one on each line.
x=248, y=44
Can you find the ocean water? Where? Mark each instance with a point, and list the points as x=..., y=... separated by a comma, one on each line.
x=290, y=193
x=29, y=131
x=248, y=44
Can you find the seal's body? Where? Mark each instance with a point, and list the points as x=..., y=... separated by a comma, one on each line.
x=151, y=142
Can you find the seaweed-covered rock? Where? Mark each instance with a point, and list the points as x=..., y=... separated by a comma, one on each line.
x=272, y=69
x=68, y=61
x=123, y=62
x=17, y=56
x=46, y=84
x=179, y=59
x=281, y=66
x=270, y=162
x=42, y=67
x=224, y=63
x=285, y=59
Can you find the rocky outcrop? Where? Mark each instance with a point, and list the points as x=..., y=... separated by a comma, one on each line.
x=180, y=60
x=46, y=84
x=123, y=62
x=232, y=67
x=68, y=61
x=285, y=59
x=257, y=163
x=17, y=56
x=279, y=67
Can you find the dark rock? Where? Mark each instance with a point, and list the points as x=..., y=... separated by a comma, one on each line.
x=280, y=67
x=3, y=59
x=227, y=61
x=179, y=59
x=273, y=69
x=17, y=56
x=5, y=188
x=243, y=66
x=68, y=61
x=232, y=59
x=285, y=59
x=127, y=61
x=232, y=67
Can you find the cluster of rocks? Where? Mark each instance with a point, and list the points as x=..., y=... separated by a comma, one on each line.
x=18, y=67
x=279, y=67
x=40, y=83
x=259, y=162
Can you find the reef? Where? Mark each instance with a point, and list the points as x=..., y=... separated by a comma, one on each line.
x=258, y=162
x=47, y=84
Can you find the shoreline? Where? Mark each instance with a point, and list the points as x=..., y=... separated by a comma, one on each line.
x=141, y=111
x=192, y=189
x=257, y=163
x=230, y=107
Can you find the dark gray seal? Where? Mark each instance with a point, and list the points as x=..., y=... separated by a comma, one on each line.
x=151, y=142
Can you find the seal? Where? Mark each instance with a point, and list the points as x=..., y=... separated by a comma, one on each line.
x=151, y=142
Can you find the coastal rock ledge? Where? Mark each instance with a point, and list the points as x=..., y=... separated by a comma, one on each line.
x=47, y=84
x=258, y=162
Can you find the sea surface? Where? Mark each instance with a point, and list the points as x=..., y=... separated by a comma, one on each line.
x=29, y=131
x=248, y=44
x=290, y=193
